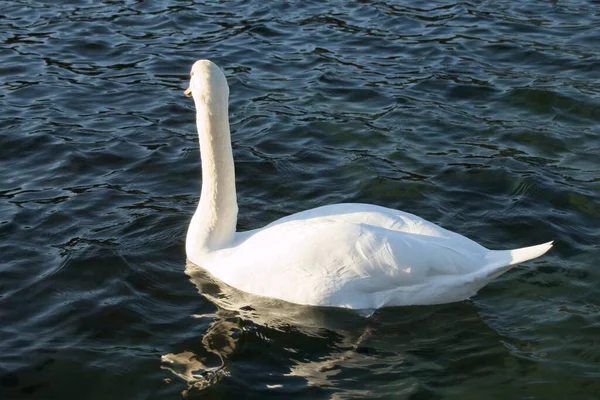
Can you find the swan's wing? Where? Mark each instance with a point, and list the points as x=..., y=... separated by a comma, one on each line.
x=373, y=216
x=368, y=214
x=330, y=261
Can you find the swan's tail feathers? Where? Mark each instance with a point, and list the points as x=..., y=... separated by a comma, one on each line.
x=500, y=261
x=528, y=253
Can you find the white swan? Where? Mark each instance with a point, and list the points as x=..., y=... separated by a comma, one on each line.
x=356, y=256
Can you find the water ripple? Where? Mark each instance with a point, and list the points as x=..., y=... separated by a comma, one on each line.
x=482, y=117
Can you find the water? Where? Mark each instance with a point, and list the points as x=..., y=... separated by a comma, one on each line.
x=482, y=117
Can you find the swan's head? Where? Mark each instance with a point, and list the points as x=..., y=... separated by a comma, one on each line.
x=207, y=83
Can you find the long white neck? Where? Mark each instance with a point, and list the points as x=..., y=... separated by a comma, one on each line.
x=213, y=224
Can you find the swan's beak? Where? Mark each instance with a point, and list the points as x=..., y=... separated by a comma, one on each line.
x=188, y=92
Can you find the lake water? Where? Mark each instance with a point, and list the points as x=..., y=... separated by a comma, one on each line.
x=483, y=117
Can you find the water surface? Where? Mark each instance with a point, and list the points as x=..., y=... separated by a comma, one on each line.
x=483, y=117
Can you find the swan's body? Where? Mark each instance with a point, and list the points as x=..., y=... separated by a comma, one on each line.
x=356, y=256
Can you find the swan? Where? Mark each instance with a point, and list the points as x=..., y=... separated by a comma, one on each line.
x=356, y=256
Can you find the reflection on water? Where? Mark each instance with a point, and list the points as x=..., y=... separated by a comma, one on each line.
x=344, y=344
x=198, y=371
x=239, y=312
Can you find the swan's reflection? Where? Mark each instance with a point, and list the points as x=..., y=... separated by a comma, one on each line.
x=239, y=312
x=273, y=346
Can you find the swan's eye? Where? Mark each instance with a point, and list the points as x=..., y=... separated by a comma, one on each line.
x=191, y=73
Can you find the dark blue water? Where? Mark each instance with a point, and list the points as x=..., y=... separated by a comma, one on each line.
x=483, y=117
